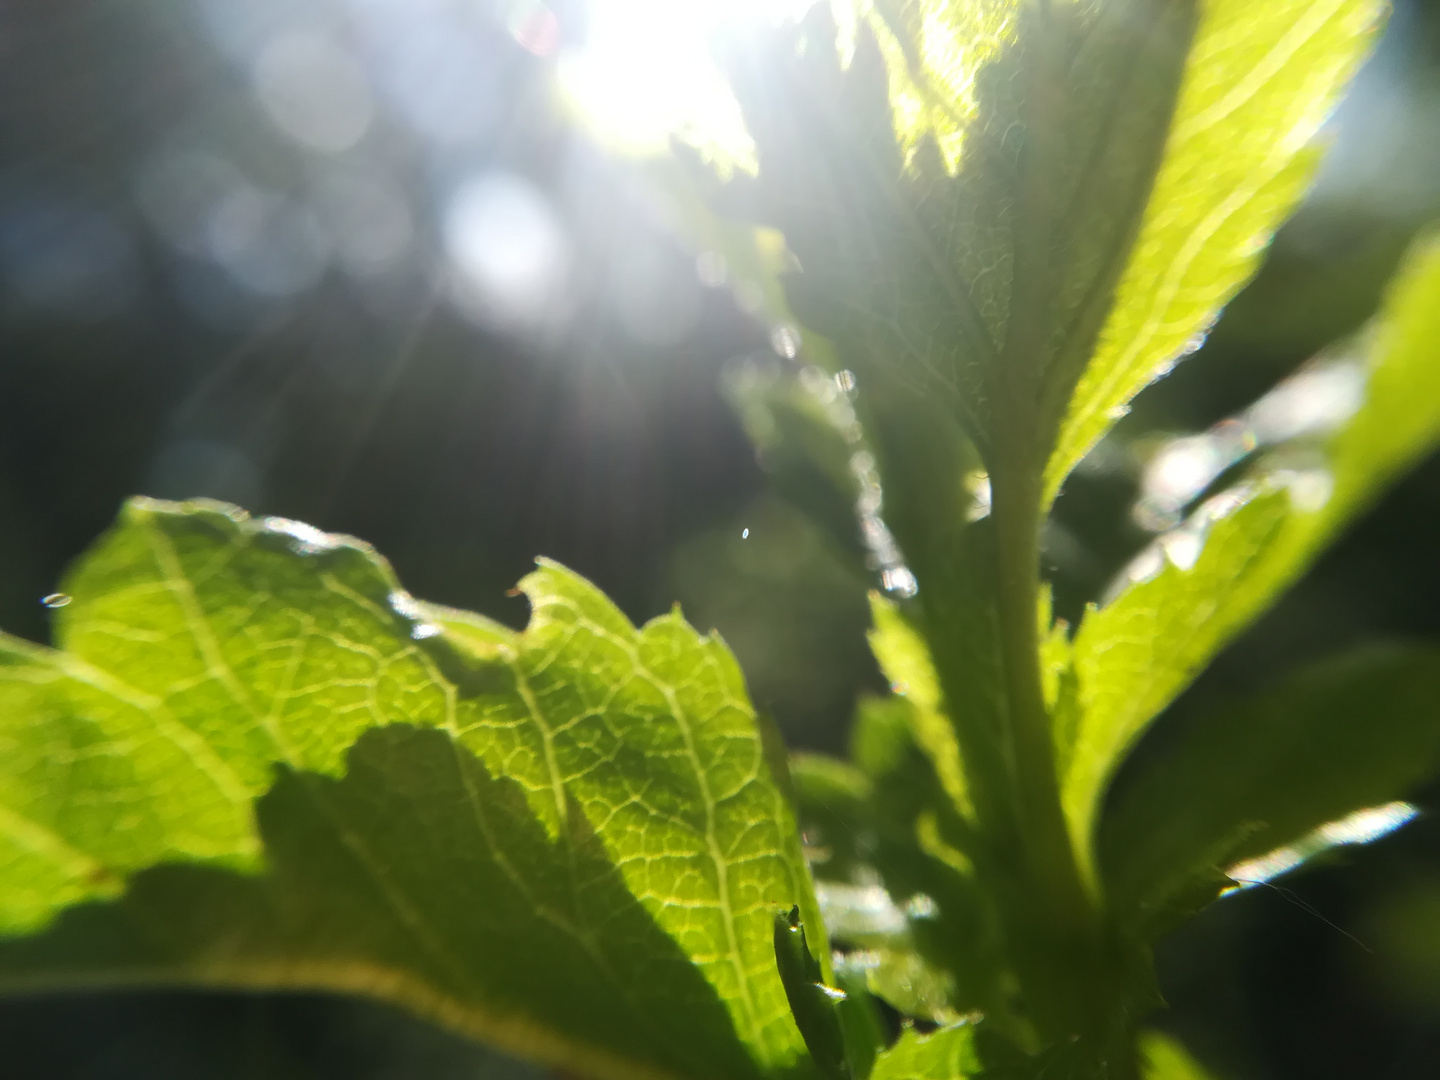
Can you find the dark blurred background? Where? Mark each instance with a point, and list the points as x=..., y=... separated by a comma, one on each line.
x=351, y=261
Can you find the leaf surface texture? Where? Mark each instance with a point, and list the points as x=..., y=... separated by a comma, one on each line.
x=566, y=840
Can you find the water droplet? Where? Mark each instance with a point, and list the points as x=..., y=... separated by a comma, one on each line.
x=1310, y=489
x=921, y=906
x=842, y=414
x=1152, y=517
x=407, y=607
x=1226, y=502
x=785, y=340
x=1119, y=412
x=744, y=534
x=1183, y=547
x=900, y=581
x=404, y=605
x=711, y=270
x=866, y=908
x=818, y=384
x=1182, y=469
x=876, y=534
x=56, y=600
x=977, y=483
x=1144, y=567
x=1193, y=344
x=845, y=380
x=308, y=539
x=1314, y=401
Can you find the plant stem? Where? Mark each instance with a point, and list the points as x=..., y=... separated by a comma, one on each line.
x=979, y=586
x=1053, y=913
x=1053, y=899
x=1037, y=794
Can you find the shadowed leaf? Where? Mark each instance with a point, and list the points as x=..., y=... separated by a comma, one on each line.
x=1346, y=735
x=204, y=648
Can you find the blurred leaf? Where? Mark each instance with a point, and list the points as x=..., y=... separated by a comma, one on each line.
x=1259, y=81
x=862, y=915
x=902, y=978
x=792, y=612
x=905, y=659
x=1166, y=1059
x=589, y=839
x=947, y=1054
x=923, y=939
x=835, y=815
x=1133, y=656
x=1345, y=735
x=799, y=430
x=1403, y=925
x=1057, y=676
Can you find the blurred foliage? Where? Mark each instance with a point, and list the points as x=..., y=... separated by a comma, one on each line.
x=370, y=404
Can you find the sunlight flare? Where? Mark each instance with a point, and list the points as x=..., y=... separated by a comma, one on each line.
x=647, y=72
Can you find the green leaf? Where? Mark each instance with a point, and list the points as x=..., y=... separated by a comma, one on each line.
x=962, y=196
x=840, y=1024
x=421, y=879
x=905, y=659
x=947, y=1054
x=576, y=839
x=924, y=942
x=1346, y=735
x=811, y=1001
x=835, y=814
x=1259, y=81
x=905, y=980
x=1165, y=1059
x=861, y=1021
x=1134, y=655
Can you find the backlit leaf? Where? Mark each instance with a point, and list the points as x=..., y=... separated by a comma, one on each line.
x=961, y=193
x=1259, y=81
x=1165, y=1059
x=905, y=659
x=573, y=846
x=1135, y=654
x=947, y=1054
